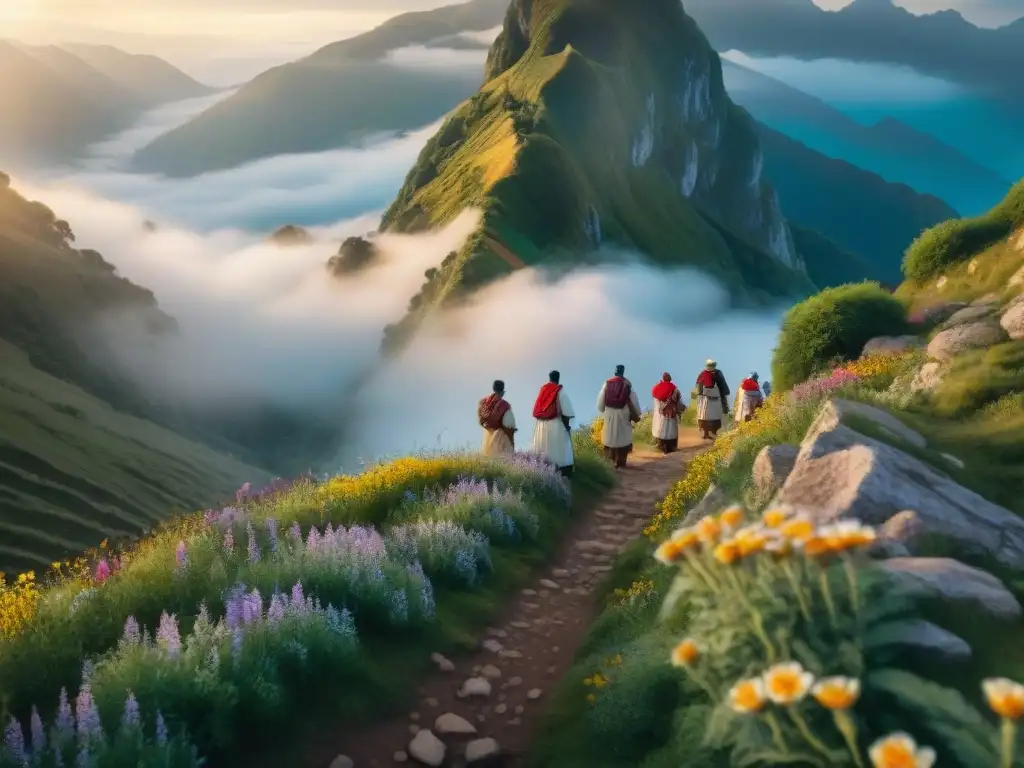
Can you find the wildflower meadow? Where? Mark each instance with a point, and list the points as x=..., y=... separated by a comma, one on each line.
x=238, y=621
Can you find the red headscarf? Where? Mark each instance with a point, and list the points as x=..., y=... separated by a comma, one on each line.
x=546, y=405
x=663, y=389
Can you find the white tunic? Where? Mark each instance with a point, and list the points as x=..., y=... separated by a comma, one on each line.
x=617, y=431
x=551, y=439
x=496, y=442
x=748, y=401
x=663, y=428
x=709, y=403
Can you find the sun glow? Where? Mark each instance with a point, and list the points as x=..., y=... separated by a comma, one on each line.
x=13, y=11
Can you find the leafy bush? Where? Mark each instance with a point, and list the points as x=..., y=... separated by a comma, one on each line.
x=956, y=241
x=833, y=325
x=980, y=378
x=193, y=624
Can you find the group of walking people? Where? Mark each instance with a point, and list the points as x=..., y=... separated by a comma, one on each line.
x=619, y=406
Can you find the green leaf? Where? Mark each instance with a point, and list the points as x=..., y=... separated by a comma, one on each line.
x=943, y=712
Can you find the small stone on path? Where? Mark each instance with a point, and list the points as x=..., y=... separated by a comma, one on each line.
x=414, y=716
x=342, y=761
x=501, y=709
x=515, y=721
x=491, y=671
x=549, y=584
x=496, y=632
x=452, y=723
x=492, y=645
x=475, y=686
x=534, y=693
x=511, y=654
x=431, y=702
x=442, y=663
x=514, y=681
x=481, y=749
x=519, y=709
x=560, y=573
x=402, y=757
x=426, y=748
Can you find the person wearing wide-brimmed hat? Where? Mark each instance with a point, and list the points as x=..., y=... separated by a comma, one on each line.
x=712, y=400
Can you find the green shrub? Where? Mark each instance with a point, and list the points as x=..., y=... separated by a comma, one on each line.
x=834, y=325
x=981, y=378
x=953, y=242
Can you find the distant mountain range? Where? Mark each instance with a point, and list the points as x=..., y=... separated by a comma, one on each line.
x=889, y=148
x=56, y=101
x=341, y=94
x=943, y=44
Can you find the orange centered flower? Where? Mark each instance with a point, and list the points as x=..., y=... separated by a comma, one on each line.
x=788, y=682
x=748, y=545
x=1005, y=697
x=798, y=528
x=731, y=517
x=727, y=553
x=775, y=516
x=686, y=538
x=708, y=529
x=747, y=696
x=686, y=653
x=815, y=546
x=899, y=750
x=669, y=552
x=837, y=692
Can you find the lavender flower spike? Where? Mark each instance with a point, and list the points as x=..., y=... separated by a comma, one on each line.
x=161, y=730
x=89, y=728
x=168, y=636
x=65, y=722
x=37, y=732
x=181, y=556
x=131, y=717
x=132, y=634
x=14, y=740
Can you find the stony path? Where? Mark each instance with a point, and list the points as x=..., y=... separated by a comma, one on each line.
x=484, y=708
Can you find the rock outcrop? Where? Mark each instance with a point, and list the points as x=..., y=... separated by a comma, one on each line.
x=890, y=345
x=772, y=466
x=953, y=581
x=1012, y=320
x=843, y=473
x=963, y=338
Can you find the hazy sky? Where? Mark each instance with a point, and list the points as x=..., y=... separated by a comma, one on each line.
x=227, y=41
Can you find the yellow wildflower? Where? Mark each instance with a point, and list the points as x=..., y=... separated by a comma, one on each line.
x=727, y=553
x=815, y=546
x=774, y=517
x=731, y=516
x=1005, y=697
x=788, y=682
x=686, y=653
x=708, y=530
x=748, y=696
x=798, y=528
x=899, y=750
x=836, y=693
x=591, y=698
x=669, y=552
x=748, y=545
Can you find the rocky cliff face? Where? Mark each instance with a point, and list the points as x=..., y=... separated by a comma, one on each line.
x=604, y=122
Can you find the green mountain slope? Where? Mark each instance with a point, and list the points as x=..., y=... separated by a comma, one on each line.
x=73, y=470
x=838, y=199
x=341, y=94
x=601, y=123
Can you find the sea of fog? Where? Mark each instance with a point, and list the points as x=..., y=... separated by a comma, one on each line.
x=985, y=130
x=263, y=323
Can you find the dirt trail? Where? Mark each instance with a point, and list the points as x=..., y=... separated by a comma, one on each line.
x=532, y=646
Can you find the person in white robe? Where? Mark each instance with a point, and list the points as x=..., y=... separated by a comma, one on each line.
x=552, y=437
x=668, y=407
x=619, y=405
x=712, y=400
x=750, y=398
x=498, y=422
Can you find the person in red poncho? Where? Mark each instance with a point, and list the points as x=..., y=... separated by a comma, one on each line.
x=668, y=407
x=619, y=405
x=552, y=437
x=750, y=398
x=495, y=416
x=712, y=400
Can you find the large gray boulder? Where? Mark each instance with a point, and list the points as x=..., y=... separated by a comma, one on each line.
x=962, y=338
x=955, y=582
x=772, y=466
x=939, y=312
x=842, y=473
x=891, y=345
x=970, y=314
x=1012, y=320
x=918, y=634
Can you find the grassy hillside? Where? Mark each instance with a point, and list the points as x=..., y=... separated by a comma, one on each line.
x=358, y=579
x=57, y=101
x=837, y=199
x=890, y=148
x=74, y=471
x=600, y=124
x=339, y=95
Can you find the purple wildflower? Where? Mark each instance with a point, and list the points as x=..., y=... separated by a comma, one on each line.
x=88, y=717
x=132, y=635
x=102, y=571
x=131, y=717
x=161, y=730
x=242, y=492
x=298, y=598
x=272, y=534
x=234, y=605
x=37, y=732
x=313, y=539
x=181, y=556
x=252, y=607
x=14, y=740
x=822, y=386
x=253, y=548
x=275, y=612
x=229, y=543
x=167, y=635
x=210, y=516
x=65, y=723
x=295, y=532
